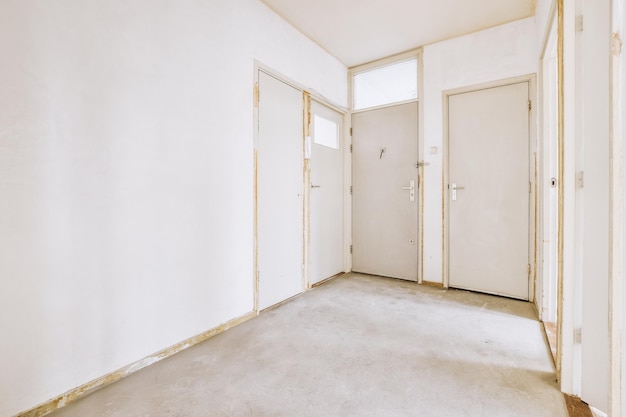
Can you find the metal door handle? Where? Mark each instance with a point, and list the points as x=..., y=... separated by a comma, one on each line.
x=315, y=186
x=454, y=188
x=411, y=190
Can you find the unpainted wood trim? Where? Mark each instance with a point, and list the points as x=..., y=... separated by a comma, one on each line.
x=88, y=388
x=561, y=188
x=422, y=171
x=576, y=407
x=327, y=280
x=433, y=284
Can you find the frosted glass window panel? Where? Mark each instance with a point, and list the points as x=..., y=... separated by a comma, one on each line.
x=325, y=132
x=390, y=84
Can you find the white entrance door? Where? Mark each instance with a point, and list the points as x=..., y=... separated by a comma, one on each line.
x=489, y=190
x=326, y=250
x=385, y=197
x=279, y=201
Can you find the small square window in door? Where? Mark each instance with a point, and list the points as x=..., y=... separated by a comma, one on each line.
x=325, y=132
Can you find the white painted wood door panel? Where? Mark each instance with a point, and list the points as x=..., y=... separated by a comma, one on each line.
x=326, y=250
x=384, y=219
x=489, y=219
x=280, y=182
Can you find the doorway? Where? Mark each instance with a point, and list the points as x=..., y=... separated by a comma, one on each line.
x=386, y=168
x=489, y=188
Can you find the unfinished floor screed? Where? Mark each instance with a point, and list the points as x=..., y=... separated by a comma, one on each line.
x=356, y=346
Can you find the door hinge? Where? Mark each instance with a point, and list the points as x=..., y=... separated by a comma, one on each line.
x=528, y=269
x=350, y=148
x=530, y=105
x=350, y=190
x=350, y=131
x=530, y=187
x=351, y=248
x=580, y=23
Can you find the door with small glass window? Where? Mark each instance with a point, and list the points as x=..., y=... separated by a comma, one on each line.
x=326, y=198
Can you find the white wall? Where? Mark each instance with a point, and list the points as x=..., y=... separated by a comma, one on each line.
x=494, y=54
x=544, y=11
x=126, y=199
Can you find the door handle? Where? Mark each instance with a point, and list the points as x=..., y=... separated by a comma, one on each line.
x=411, y=190
x=315, y=186
x=454, y=188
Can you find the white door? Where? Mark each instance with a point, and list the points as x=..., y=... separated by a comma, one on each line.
x=326, y=250
x=489, y=190
x=385, y=195
x=279, y=201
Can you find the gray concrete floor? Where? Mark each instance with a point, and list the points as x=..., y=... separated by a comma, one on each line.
x=357, y=346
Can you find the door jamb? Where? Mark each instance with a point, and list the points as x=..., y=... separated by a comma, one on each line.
x=532, y=146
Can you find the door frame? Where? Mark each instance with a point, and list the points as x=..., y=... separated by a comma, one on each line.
x=307, y=95
x=532, y=158
x=418, y=54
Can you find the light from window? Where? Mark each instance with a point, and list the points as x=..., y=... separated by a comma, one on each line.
x=325, y=132
x=390, y=84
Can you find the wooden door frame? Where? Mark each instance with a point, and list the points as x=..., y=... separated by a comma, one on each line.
x=532, y=158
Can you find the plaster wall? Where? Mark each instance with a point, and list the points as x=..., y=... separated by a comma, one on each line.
x=126, y=177
x=544, y=11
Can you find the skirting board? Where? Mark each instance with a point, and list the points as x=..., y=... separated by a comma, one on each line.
x=81, y=391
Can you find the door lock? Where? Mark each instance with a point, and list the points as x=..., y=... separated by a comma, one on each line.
x=411, y=190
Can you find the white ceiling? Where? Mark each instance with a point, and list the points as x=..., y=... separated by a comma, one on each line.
x=360, y=31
